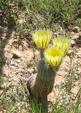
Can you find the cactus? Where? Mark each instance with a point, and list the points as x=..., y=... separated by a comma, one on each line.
x=41, y=85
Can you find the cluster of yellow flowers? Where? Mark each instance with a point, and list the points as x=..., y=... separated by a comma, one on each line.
x=54, y=54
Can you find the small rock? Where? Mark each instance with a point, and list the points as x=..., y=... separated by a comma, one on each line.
x=76, y=29
x=22, y=20
x=73, y=43
x=75, y=90
x=75, y=36
x=70, y=52
x=72, y=33
x=16, y=54
x=73, y=96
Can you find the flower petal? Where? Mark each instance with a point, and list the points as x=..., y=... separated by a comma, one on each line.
x=53, y=56
x=42, y=38
x=62, y=43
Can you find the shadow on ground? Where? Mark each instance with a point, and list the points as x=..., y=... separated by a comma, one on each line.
x=6, y=29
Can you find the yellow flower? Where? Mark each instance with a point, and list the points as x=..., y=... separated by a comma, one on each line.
x=53, y=56
x=42, y=38
x=62, y=43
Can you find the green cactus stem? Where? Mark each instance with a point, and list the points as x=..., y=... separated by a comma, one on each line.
x=42, y=84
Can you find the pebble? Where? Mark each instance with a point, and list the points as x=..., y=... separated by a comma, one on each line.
x=76, y=29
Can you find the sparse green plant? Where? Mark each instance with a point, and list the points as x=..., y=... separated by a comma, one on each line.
x=56, y=10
